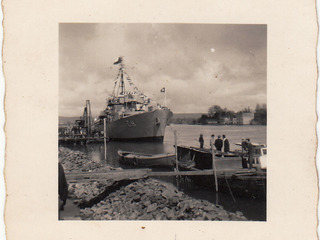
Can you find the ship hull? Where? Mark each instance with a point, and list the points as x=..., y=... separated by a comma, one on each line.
x=148, y=126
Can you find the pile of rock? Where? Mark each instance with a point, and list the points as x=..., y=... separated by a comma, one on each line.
x=76, y=161
x=84, y=192
x=150, y=199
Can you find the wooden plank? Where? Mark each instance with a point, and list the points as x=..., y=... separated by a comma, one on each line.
x=220, y=174
x=181, y=173
x=110, y=172
x=118, y=178
x=132, y=174
x=109, y=175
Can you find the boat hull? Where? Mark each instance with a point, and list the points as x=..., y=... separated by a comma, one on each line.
x=146, y=160
x=148, y=126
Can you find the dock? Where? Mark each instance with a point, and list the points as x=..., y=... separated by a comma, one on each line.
x=135, y=174
x=80, y=140
x=130, y=174
x=116, y=175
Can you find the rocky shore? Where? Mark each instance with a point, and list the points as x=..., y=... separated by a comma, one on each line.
x=146, y=199
x=150, y=199
x=76, y=161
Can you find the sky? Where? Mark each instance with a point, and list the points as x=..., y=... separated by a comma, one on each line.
x=200, y=65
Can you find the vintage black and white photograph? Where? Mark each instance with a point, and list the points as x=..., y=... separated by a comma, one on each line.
x=162, y=121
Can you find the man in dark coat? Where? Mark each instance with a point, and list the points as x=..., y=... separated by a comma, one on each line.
x=201, y=141
x=63, y=188
x=218, y=143
x=250, y=153
x=226, y=145
x=244, y=145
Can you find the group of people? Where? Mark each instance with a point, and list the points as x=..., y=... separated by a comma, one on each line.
x=223, y=143
x=218, y=143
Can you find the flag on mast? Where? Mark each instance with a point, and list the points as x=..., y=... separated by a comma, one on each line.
x=163, y=90
x=118, y=61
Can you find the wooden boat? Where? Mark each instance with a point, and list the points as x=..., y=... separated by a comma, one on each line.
x=202, y=158
x=231, y=169
x=146, y=160
x=187, y=165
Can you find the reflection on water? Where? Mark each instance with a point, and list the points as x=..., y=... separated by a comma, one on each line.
x=188, y=135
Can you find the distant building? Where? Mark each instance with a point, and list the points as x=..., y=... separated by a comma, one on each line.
x=245, y=118
x=224, y=120
x=234, y=121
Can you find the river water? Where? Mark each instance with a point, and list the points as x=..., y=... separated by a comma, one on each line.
x=188, y=135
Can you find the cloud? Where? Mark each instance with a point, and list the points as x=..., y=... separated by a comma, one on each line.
x=177, y=56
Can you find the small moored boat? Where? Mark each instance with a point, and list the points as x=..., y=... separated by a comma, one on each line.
x=146, y=160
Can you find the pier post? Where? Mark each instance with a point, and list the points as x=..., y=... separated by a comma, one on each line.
x=176, y=148
x=176, y=152
x=214, y=168
x=105, y=137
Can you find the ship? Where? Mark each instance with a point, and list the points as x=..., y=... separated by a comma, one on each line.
x=130, y=114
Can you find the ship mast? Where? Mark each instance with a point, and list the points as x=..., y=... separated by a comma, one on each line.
x=122, y=88
x=121, y=85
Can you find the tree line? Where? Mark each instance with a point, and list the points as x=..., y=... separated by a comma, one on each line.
x=219, y=115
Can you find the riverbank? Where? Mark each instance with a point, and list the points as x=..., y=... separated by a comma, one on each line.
x=146, y=199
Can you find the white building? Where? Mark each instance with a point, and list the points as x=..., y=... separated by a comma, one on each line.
x=245, y=118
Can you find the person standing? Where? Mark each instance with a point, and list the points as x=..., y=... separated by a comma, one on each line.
x=250, y=152
x=212, y=141
x=218, y=143
x=62, y=187
x=226, y=145
x=201, y=141
x=244, y=145
x=244, y=153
